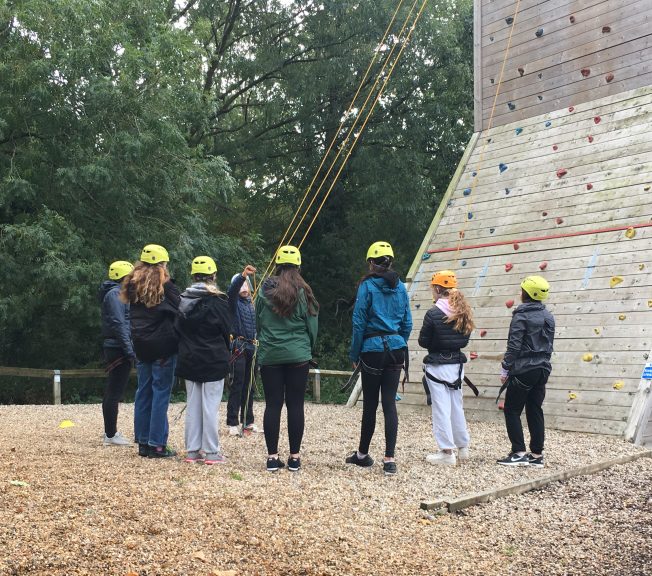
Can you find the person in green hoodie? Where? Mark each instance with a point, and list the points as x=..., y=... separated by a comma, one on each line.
x=286, y=318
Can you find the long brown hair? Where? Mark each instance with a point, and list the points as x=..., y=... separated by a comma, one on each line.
x=284, y=293
x=144, y=284
x=462, y=314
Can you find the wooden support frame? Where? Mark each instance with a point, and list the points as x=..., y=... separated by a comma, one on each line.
x=477, y=65
x=641, y=411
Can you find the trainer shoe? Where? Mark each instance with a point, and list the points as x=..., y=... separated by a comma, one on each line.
x=117, y=440
x=215, y=459
x=389, y=468
x=463, y=453
x=252, y=428
x=441, y=458
x=274, y=464
x=513, y=459
x=294, y=464
x=234, y=431
x=534, y=461
x=161, y=452
x=362, y=462
x=143, y=450
x=193, y=458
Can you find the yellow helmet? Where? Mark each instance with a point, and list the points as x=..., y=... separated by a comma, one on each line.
x=119, y=269
x=380, y=249
x=203, y=265
x=444, y=278
x=288, y=255
x=153, y=254
x=536, y=287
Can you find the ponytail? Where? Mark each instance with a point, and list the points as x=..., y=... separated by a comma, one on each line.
x=462, y=315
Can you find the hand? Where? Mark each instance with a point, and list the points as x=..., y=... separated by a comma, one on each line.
x=355, y=365
x=503, y=379
x=248, y=270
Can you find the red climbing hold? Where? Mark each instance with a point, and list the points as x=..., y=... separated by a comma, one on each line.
x=509, y=303
x=473, y=355
x=606, y=29
x=508, y=267
x=609, y=77
x=516, y=246
x=597, y=119
x=571, y=109
x=589, y=186
x=561, y=173
x=585, y=72
x=483, y=333
x=590, y=139
x=555, y=147
x=543, y=265
x=572, y=19
x=559, y=220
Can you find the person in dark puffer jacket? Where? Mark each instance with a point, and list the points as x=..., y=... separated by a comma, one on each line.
x=203, y=325
x=154, y=300
x=525, y=370
x=447, y=327
x=118, y=350
x=240, y=407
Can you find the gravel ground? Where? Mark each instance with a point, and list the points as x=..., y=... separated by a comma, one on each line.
x=88, y=509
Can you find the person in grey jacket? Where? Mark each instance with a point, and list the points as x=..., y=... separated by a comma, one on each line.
x=525, y=370
x=118, y=350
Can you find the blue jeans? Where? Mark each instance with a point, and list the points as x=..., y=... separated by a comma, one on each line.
x=155, y=381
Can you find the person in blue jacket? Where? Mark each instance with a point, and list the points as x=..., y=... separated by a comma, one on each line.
x=382, y=323
x=118, y=350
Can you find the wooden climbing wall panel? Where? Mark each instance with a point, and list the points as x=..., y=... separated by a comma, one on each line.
x=562, y=53
x=567, y=195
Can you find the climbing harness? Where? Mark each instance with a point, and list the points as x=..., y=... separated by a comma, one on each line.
x=395, y=366
x=251, y=385
x=352, y=379
x=513, y=380
x=452, y=385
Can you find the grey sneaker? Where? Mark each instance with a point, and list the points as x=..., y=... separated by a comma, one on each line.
x=117, y=440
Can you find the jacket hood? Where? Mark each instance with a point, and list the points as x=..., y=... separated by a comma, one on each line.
x=105, y=288
x=528, y=306
x=390, y=277
x=193, y=293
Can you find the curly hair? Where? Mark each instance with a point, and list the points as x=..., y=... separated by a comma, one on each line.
x=462, y=316
x=144, y=284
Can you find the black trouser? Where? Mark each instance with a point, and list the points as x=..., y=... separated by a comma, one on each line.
x=529, y=394
x=116, y=383
x=385, y=384
x=284, y=382
x=240, y=395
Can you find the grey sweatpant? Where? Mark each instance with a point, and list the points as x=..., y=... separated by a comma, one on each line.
x=202, y=417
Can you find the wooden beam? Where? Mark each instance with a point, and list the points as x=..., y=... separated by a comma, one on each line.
x=477, y=65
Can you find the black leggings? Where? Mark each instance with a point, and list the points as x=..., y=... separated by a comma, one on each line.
x=116, y=383
x=284, y=382
x=386, y=385
x=531, y=397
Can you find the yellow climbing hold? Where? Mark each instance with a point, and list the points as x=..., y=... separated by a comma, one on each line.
x=618, y=384
x=649, y=303
x=622, y=317
x=572, y=395
x=587, y=357
x=630, y=232
x=615, y=280
x=641, y=266
x=66, y=424
x=597, y=330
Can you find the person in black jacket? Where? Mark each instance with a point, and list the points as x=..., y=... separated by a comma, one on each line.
x=154, y=300
x=446, y=329
x=240, y=407
x=204, y=326
x=525, y=370
x=118, y=351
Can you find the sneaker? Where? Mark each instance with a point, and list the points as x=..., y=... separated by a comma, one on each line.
x=161, y=452
x=362, y=462
x=252, y=428
x=274, y=464
x=193, y=458
x=534, y=461
x=442, y=458
x=463, y=453
x=234, y=431
x=215, y=459
x=389, y=468
x=117, y=440
x=513, y=459
x=143, y=450
x=294, y=464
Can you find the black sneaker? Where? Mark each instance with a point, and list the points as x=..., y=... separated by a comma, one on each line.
x=143, y=450
x=362, y=462
x=513, y=459
x=389, y=468
x=275, y=464
x=161, y=452
x=294, y=464
x=534, y=461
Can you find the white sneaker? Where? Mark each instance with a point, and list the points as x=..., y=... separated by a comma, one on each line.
x=234, y=431
x=117, y=440
x=252, y=428
x=441, y=458
x=463, y=453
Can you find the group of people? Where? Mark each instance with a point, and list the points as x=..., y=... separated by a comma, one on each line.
x=202, y=334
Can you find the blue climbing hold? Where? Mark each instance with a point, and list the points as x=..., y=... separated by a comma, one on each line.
x=539, y=33
x=511, y=106
x=467, y=191
x=398, y=397
x=548, y=124
x=492, y=230
x=502, y=167
x=518, y=131
x=425, y=256
x=469, y=215
x=507, y=190
x=463, y=262
x=474, y=174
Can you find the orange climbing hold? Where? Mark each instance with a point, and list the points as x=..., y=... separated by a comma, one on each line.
x=615, y=280
x=508, y=266
x=561, y=172
x=630, y=232
x=543, y=265
x=509, y=303
x=609, y=77
x=585, y=72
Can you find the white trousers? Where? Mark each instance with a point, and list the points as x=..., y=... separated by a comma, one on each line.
x=202, y=416
x=448, y=421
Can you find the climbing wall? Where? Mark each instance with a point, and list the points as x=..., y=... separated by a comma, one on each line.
x=567, y=195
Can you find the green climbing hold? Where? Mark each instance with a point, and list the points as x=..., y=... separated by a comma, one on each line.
x=518, y=131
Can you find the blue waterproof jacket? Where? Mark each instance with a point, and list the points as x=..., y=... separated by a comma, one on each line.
x=381, y=305
x=116, y=329
x=243, y=312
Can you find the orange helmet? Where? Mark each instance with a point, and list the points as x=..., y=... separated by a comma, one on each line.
x=444, y=278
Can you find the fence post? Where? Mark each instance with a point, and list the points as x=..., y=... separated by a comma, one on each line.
x=56, y=386
x=316, y=386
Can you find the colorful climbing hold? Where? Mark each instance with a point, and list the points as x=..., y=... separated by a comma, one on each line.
x=507, y=191
x=516, y=245
x=559, y=220
x=590, y=139
x=461, y=233
x=597, y=330
x=417, y=306
x=469, y=215
x=492, y=230
x=571, y=109
x=641, y=266
x=509, y=20
x=502, y=167
x=508, y=266
x=587, y=357
x=572, y=396
x=561, y=172
x=463, y=262
x=521, y=70
x=511, y=106
x=509, y=303
x=646, y=189
x=618, y=385
x=585, y=72
x=630, y=232
x=473, y=355
x=544, y=214
x=548, y=124
x=539, y=97
x=572, y=19
x=483, y=333
x=501, y=405
x=609, y=77
x=539, y=33
x=491, y=80
x=474, y=173
x=615, y=280
x=488, y=140
x=589, y=186
x=518, y=131
x=649, y=303
x=425, y=256
x=606, y=29
x=449, y=203
x=555, y=147
x=467, y=191
x=491, y=38
x=597, y=120
x=543, y=265
x=622, y=317
x=540, y=75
